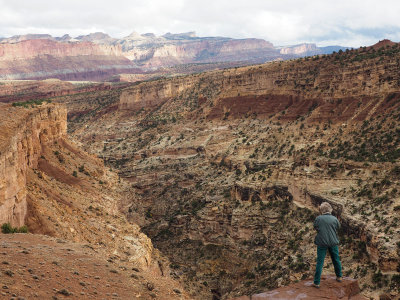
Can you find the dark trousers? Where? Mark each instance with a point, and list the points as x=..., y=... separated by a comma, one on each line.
x=321, y=253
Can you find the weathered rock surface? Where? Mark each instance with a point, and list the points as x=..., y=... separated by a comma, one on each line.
x=26, y=90
x=330, y=289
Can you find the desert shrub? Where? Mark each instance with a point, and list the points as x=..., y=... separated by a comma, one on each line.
x=32, y=103
x=23, y=229
x=7, y=229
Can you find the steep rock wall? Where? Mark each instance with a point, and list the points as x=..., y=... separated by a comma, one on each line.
x=22, y=139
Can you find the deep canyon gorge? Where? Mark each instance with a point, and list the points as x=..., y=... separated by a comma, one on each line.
x=210, y=182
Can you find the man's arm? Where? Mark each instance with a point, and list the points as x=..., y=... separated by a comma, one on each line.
x=337, y=224
x=316, y=224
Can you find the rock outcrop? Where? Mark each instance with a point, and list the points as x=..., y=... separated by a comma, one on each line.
x=309, y=49
x=25, y=90
x=23, y=136
x=330, y=289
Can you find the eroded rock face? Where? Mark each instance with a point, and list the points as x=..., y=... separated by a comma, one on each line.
x=23, y=138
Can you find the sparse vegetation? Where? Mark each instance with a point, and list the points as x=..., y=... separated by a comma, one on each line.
x=7, y=228
x=31, y=103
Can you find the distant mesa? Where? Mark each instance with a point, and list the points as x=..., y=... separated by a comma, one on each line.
x=306, y=49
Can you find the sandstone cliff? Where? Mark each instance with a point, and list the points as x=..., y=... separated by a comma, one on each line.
x=23, y=137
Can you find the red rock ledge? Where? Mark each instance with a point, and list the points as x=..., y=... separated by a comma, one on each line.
x=330, y=289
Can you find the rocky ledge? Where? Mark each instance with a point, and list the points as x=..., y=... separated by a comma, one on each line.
x=329, y=289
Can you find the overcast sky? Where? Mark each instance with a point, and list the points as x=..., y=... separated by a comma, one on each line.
x=282, y=22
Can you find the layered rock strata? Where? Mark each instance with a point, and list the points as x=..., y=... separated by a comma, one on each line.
x=279, y=86
x=43, y=58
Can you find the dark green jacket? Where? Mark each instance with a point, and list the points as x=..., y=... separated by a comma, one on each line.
x=327, y=226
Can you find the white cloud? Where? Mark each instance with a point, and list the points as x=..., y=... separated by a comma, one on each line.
x=350, y=22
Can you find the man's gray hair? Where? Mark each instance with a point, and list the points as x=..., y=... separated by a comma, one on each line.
x=325, y=208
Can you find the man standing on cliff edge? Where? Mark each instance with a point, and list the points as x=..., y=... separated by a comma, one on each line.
x=327, y=226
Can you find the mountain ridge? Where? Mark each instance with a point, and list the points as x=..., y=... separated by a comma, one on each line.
x=98, y=56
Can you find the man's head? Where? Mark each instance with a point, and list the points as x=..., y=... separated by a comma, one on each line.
x=325, y=208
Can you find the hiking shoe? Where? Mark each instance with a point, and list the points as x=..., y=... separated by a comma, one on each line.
x=339, y=279
x=315, y=285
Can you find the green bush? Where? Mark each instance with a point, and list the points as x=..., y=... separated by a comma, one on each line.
x=7, y=228
x=23, y=229
x=32, y=103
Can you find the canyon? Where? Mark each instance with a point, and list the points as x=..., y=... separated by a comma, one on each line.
x=223, y=171
x=230, y=166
